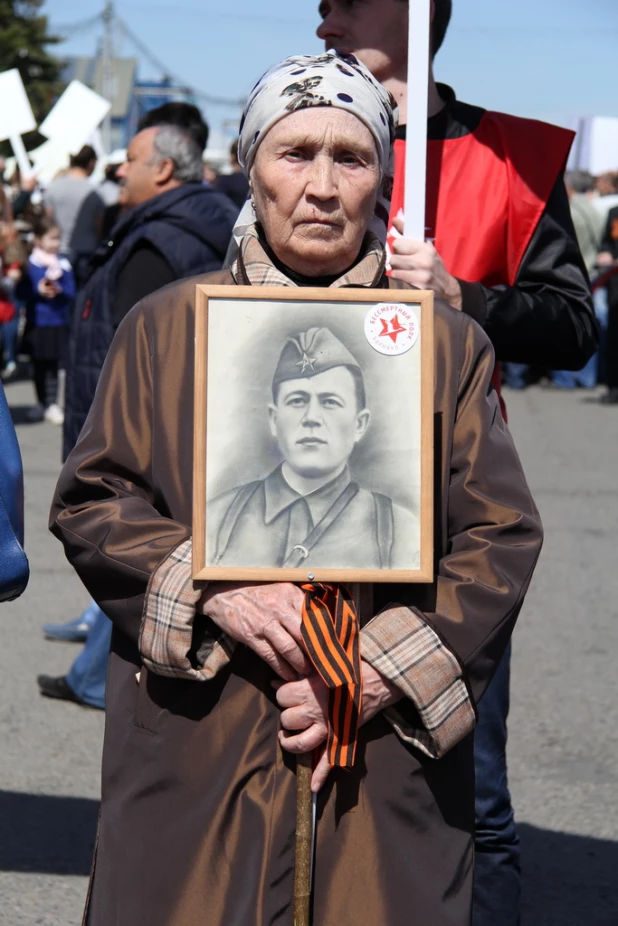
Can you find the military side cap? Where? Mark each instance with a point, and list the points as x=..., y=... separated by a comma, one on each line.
x=312, y=352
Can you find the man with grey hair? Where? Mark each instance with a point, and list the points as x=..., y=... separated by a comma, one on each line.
x=172, y=227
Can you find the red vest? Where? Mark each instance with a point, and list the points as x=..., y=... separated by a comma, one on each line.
x=486, y=193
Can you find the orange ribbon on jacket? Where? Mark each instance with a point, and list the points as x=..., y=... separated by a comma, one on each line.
x=330, y=632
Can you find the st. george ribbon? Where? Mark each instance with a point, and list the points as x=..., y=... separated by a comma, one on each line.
x=330, y=633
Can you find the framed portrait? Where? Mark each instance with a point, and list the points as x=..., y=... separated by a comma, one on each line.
x=313, y=456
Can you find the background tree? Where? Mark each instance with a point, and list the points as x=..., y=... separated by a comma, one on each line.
x=24, y=44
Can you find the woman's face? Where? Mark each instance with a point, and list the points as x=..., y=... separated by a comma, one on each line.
x=315, y=181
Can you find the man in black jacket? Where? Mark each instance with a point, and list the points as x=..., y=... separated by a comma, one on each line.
x=532, y=298
x=172, y=227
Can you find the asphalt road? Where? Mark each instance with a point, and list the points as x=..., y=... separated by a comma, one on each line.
x=564, y=721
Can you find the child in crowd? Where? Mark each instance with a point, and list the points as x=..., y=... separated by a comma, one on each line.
x=48, y=291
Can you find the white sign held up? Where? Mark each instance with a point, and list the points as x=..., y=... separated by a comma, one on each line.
x=75, y=117
x=16, y=116
x=416, y=130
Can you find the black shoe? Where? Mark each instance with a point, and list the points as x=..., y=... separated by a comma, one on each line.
x=610, y=397
x=58, y=688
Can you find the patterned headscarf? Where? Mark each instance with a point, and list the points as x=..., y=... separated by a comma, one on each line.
x=334, y=79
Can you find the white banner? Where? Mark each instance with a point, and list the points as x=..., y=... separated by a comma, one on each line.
x=16, y=117
x=416, y=131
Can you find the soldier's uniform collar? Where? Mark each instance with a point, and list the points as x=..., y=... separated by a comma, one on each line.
x=279, y=495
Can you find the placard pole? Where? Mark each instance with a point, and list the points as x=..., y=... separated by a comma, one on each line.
x=19, y=150
x=416, y=131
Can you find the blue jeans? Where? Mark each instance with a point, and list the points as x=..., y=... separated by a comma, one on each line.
x=8, y=339
x=497, y=875
x=87, y=674
x=516, y=375
x=90, y=615
x=586, y=377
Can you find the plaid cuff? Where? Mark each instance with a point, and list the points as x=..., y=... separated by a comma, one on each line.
x=167, y=640
x=403, y=648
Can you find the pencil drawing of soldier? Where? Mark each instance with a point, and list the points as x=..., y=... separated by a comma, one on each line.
x=309, y=511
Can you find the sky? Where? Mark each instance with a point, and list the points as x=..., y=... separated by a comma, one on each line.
x=548, y=59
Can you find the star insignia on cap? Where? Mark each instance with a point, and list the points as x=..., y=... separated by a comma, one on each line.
x=306, y=362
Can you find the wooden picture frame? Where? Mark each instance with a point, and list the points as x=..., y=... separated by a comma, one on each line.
x=253, y=412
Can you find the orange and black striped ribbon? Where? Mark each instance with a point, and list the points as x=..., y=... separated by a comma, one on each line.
x=330, y=633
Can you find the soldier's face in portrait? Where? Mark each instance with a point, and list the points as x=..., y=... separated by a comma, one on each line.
x=318, y=420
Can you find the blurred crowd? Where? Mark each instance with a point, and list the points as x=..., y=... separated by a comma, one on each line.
x=594, y=209
x=49, y=236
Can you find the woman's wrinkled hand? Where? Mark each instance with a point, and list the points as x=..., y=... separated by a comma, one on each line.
x=304, y=721
x=264, y=617
x=418, y=263
x=304, y=715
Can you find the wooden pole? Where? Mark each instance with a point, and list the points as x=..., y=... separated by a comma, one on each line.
x=416, y=131
x=304, y=841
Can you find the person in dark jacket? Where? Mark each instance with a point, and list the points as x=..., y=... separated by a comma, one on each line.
x=173, y=227
x=500, y=247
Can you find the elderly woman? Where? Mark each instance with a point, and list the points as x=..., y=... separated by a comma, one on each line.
x=210, y=693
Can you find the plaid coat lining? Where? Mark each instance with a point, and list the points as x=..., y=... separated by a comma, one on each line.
x=397, y=643
x=166, y=634
x=406, y=650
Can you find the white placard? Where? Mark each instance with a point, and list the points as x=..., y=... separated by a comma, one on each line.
x=604, y=145
x=596, y=146
x=19, y=150
x=16, y=116
x=75, y=117
x=416, y=130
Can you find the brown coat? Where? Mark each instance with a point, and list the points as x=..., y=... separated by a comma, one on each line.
x=198, y=800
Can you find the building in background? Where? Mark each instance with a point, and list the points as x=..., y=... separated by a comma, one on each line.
x=130, y=97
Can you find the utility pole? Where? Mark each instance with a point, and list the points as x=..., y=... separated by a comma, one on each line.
x=108, y=70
